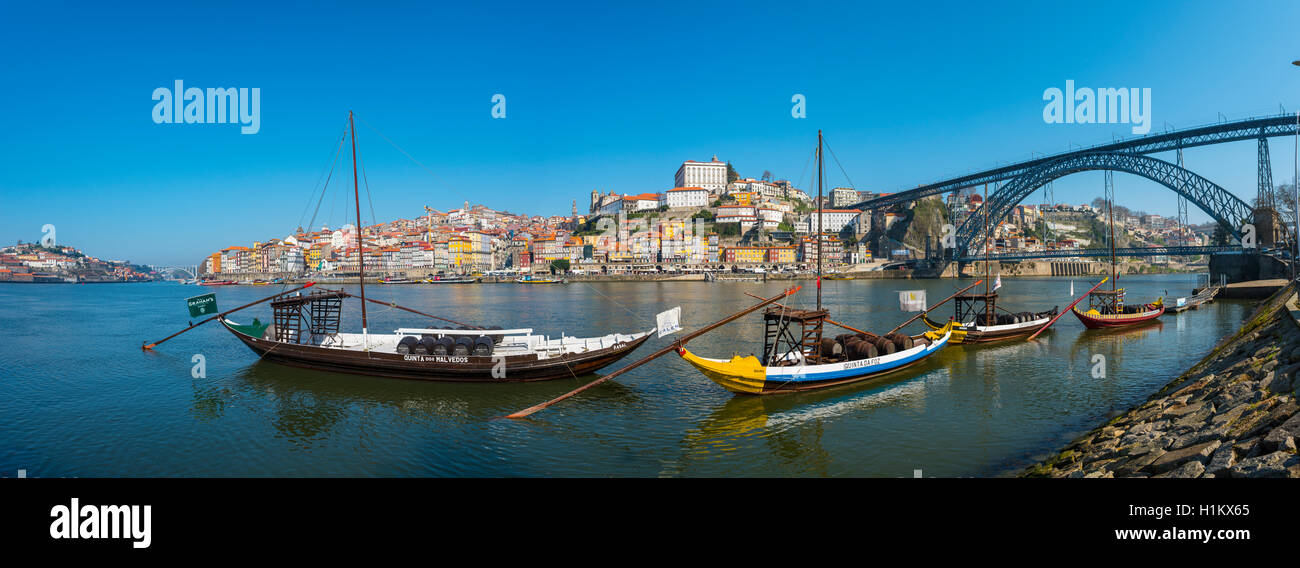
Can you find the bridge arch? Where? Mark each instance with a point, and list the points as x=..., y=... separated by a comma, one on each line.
x=1224, y=207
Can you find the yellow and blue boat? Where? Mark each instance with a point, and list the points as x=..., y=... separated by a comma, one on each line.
x=797, y=358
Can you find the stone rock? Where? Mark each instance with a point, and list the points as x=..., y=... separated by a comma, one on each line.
x=1277, y=383
x=1135, y=465
x=1222, y=459
x=1172, y=459
x=1283, y=437
x=1276, y=464
x=1184, y=409
x=1198, y=417
x=1189, y=469
x=1227, y=416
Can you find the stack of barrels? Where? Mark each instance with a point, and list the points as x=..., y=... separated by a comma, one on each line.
x=454, y=345
x=862, y=346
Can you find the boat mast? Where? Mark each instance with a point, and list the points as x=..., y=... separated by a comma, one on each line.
x=819, y=219
x=988, y=310
x=361, y=249
x=1110, y=209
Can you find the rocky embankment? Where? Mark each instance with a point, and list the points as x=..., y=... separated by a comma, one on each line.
x=1234, y=414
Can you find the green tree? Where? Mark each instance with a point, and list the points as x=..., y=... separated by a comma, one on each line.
x=1220, y=237
x=731, y=173
x=559, y=265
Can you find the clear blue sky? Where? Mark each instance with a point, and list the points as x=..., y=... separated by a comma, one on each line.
x=602, y=95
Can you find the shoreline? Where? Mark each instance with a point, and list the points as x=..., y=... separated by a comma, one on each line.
x=1232, y=414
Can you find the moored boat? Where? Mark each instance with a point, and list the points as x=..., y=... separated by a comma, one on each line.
x=794, y=365
x=304, y=331
x=797, y=356
x=533, y=280
x=1106, y=309
x=978, y=321
x=304, y=334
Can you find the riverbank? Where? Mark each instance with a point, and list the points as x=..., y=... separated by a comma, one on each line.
x=1233, y=414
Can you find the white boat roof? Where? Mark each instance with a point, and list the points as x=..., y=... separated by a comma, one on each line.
x=420, y=331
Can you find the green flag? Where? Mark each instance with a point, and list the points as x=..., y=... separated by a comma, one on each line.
x=202, y=305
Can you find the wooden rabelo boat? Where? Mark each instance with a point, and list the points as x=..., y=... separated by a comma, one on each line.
x=798, y=356
x=1106, y=307
x=305, y=332
x=977, y=317
x=980, y=323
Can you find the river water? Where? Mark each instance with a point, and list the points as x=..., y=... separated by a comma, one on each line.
x=78, y=397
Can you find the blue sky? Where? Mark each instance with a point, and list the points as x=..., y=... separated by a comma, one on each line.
x=608, y=96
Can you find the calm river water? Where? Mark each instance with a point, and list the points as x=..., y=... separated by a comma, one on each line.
x=78, y=397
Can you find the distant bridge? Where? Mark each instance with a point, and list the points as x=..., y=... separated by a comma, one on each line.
x=168, y=271
x=1129, y=156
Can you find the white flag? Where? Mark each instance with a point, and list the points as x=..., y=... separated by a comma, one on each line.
x=997, y=283
x=911, y=300
x=669, y=322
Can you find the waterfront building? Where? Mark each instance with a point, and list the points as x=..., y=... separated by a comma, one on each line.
x=832, y=249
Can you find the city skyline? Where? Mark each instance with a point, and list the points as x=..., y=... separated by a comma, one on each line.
x=587, y=107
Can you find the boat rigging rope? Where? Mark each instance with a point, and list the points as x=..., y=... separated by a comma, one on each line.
x=837, y=163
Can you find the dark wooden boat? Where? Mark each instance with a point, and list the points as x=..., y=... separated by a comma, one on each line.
x=304, y=332
x=514, y=355
x=979, y=322
x=1106, y=307
x=977, y=316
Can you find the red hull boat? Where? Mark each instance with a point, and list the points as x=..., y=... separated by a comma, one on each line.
x=1092, y=319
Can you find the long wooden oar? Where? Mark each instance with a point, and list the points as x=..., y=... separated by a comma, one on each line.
x=927, y=310
x=1067, y=308
x=149, y=346
x=392, y=305
x=827, y=320
x=666, y=350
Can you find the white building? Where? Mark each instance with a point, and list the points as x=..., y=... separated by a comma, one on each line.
x=832, y=220
x=708, y=175
x=693, y=197
x=642, y=202
x=844, y=196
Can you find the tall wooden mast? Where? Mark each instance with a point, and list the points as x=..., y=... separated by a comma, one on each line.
x=819, y=219
x=988, y=309
x=1110, y=209
x=361, y=247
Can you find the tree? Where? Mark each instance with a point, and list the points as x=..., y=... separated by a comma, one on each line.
x=1220, y=237
x=560, y=265
x=731, y=173
x=704, y=214
x=767, y=176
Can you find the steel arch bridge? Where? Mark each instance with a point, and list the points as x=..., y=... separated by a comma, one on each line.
x=1259, y=129
x=1224, y=207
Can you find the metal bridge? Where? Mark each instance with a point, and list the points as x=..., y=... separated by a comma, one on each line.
x=167, y=271
x=1125, y=156
x=1103, y=252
